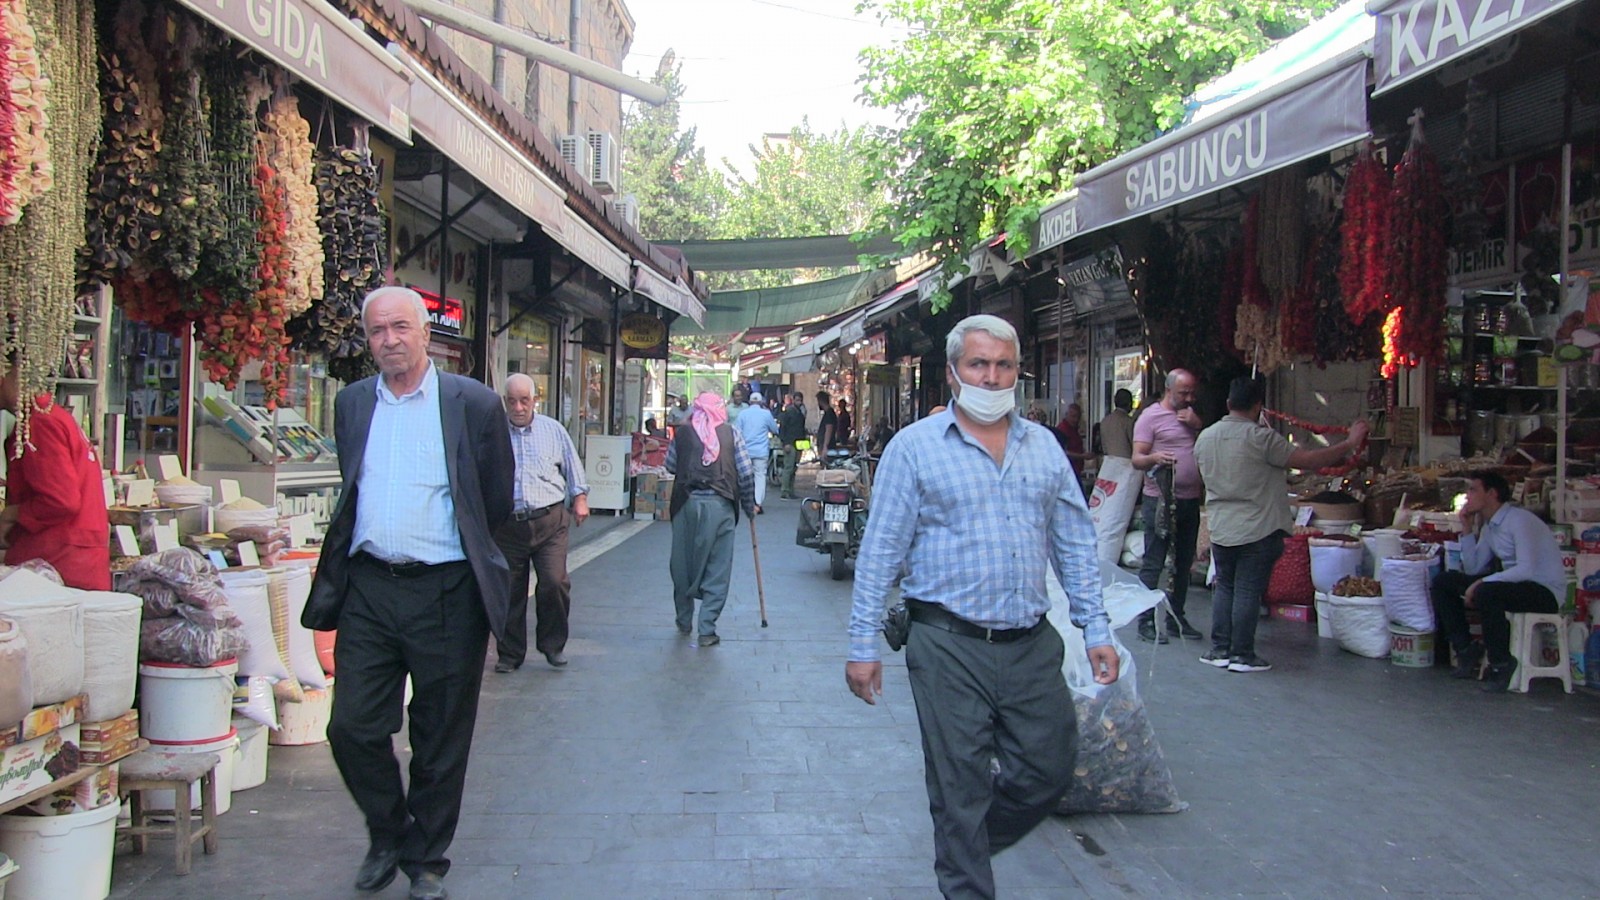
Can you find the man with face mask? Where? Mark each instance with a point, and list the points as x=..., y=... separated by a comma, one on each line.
x=973, y=504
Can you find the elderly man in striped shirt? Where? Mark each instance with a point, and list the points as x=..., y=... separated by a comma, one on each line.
x=972, y=505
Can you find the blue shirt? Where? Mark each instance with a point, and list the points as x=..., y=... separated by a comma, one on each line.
x=1525, y=547
x=756, y=425
x=548, y=468
x=975, y=536
x=404, y=511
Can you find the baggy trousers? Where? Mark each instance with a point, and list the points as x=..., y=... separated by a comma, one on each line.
x=539, y=544
x=702, y=559
x=431, y=626
x=977, y=700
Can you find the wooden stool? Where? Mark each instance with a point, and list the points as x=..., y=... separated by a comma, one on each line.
x=176, y=772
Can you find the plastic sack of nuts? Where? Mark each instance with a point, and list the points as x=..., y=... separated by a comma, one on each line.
x=1119, y=765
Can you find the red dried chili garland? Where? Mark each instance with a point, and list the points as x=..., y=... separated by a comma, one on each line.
x=1351, y=463
x=1419, y=267
x=1363, y=279
x=1300, y=317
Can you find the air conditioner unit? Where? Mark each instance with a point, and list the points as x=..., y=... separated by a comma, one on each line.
x=603, y=160
x=575, y=151
x=627, y=206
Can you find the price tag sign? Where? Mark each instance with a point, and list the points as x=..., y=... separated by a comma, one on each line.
x=141, y=492
x=1302, y=516
x=110, y=488
x=301, y=530
x=230, y=490
x=127, y=541
x=170, y=467
x=217, y=559
x=248, y=555
x=166, y=537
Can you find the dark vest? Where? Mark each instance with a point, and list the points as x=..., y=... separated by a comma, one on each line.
x=721, y=476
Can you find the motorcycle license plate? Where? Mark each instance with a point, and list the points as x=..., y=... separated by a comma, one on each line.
x=831, y=513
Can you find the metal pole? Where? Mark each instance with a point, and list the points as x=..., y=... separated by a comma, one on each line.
x=1561, y=376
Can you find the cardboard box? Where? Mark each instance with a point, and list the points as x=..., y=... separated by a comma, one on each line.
x=110, y=740
x=647, y=485
x=644, y=505
x=664, y=488
x=664, y=513
x=44, y=720
x=97, y=789
x=1292, y=612
x=1586, y=536
x=1587, y=571
x=34, y=763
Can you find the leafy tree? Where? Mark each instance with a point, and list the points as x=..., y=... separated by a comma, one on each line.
x=1002, y=101
x=680, y=197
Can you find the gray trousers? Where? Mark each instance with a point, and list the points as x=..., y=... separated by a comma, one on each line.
x=977, y=701
x=702, y=559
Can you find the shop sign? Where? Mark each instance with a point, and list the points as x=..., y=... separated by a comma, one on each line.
x=1415, y=37
x=1489, y=258
x=605, y=466
x=643, y=337
x=318, y=44
x=448, y=355
x=466, y=139
x=586, y=244
x=445, y=314
x=667, y=293
x=1096, y=281
x=1319, y=116
x=876, y=351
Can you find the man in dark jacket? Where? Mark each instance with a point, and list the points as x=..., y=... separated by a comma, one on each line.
x=791, y=431
x=714, y=482
x=411, y=578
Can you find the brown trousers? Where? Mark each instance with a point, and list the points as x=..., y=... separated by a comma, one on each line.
x=541, y=545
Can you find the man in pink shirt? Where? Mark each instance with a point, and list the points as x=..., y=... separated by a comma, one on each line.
x=1163, y=448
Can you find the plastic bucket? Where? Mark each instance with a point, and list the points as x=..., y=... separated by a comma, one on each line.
x=1410, y=648
x=226, y=747
x=61, y=857
x=7, y=869
x=251, y=769
x=1324, y=617
x=184, y=704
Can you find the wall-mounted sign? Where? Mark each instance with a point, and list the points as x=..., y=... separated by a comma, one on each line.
x=1096, y=281
x=643, y=337
x=1417, y=36
x=445, y=314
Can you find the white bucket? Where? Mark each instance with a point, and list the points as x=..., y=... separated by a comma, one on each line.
x=226, y=747
x=251, y=770
x=184, y=704
x=1324, y=617
x=61, y=857
x=7, y=869
x=1410, y=648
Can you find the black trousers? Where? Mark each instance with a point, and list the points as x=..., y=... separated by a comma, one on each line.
x=977, y=701
x=1185, y=534
x=432, y=627
x=1493, y=600
x=540, y=545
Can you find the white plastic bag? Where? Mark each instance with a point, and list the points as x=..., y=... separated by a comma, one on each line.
x=1332, y=560
x=1406, y=595
x=252, y=698
x=247, y=594
x=1360, y=625
x=1116, y=490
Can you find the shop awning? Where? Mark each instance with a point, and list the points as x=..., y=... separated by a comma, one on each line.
x=760, y=359
x=1415, y=37
x=732, y=312
x=803, y=358
x=587, y=244
x=669, y=294
x=322, y=47
x=1320, y=110
x=821, y=251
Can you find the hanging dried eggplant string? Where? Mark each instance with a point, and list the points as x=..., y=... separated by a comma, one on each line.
x=1281, y=231
x=38, y=254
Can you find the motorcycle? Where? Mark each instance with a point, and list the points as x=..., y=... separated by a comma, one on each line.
x=834, y=521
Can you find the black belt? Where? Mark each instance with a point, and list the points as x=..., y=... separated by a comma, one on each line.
x=404, y=569
x=939, y=617
x=528, y=515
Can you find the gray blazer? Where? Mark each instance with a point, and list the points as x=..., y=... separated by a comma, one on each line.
x=478, y=454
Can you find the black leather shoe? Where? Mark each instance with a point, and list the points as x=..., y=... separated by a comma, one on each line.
x=1498, y=679
x=428, y=886
x=377, y=870
x=557, y=659
x=504, y=667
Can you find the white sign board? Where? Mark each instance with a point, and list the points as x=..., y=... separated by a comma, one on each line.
x=605, y=465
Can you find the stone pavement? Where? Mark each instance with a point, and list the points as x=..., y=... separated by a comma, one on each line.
x=652, y=768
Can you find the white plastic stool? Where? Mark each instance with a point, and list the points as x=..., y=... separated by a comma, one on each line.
x=1527, y=649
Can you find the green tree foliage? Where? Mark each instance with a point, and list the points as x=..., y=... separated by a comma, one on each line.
x=1002, y=101
x=680, y=197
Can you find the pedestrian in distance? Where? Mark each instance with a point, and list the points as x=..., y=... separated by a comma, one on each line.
x=792, y=434
x=827, y=426
x=972, y=506
x=411, y=578
x=714, y=482
x=1244, y=464
x=1163, y=449
x=549, y=477
x=757, y=426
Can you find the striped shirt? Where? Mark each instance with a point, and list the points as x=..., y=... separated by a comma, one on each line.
x=548, y=468
x=404, y=511
x=974, y=536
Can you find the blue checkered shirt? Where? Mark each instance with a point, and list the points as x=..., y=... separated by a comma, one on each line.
x=548, y=468
x=976, y=537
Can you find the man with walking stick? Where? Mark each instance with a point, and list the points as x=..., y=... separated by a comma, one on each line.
x=714, y=482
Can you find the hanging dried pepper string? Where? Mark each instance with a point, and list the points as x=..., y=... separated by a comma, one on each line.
x=1364, y=237
x=1351, y=463
x=1419, y=246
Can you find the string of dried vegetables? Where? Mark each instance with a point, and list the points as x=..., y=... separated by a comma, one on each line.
x=26, y=169
x=288, y=145
x=10, y=166
x=352, y=225
x=191, y=218
x=1280, y=228
x=228, y=264
x=1418, y=266
x=38, y=254
x=1364, y=237
x=1336, y=338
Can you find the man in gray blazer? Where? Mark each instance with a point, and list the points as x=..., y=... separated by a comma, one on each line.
x=411, y=578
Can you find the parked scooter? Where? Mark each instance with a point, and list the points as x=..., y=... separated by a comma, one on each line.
x=834, y=521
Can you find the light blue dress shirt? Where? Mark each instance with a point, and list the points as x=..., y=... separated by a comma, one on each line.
x=757, y=426
x=975, y=536
x=404, y=511
x=1525, y=547
x=548, y=468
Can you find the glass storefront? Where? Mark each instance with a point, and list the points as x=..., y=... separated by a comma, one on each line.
x=528, y=350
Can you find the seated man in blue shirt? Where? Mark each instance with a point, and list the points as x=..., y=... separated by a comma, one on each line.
x=1529, y=578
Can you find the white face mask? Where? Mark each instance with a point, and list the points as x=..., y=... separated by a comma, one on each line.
x=983, y=405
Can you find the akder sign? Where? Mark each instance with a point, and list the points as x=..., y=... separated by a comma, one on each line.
x=1313, y=119
x=1415, y=37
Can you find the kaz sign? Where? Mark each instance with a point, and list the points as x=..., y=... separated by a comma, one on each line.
x=1417, y=36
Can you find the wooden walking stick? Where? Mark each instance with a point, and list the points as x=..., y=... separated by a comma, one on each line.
x=761, y=592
